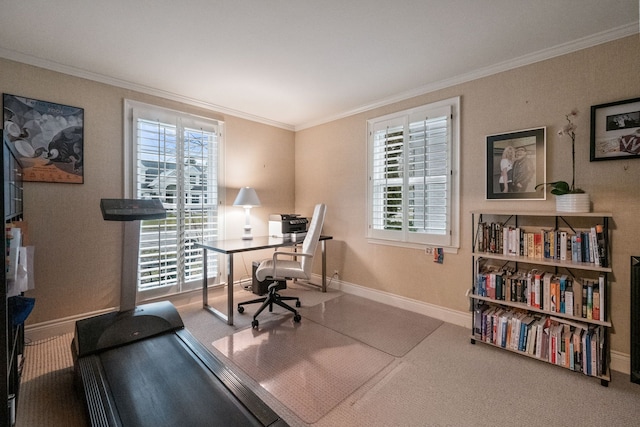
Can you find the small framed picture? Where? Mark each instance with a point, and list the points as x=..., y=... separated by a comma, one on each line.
x=615, y=130
x=516, y=162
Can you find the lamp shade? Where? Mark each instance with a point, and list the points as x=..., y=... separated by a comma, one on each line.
x=247, y=197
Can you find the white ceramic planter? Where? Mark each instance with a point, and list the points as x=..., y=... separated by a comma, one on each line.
x=573, y=203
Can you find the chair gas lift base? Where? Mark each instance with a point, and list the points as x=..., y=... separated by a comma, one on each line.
x=273, y=297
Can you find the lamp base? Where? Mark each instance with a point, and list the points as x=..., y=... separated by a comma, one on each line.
x=247, y=224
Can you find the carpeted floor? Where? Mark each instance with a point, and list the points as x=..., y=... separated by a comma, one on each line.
x=47, y=394
x=442, y=380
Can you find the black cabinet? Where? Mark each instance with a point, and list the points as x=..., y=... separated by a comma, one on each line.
x=11, y=337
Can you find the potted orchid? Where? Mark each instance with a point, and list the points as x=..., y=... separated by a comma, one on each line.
x=568, y=197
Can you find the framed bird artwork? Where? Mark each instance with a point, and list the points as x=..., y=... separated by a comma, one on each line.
x=46, y=138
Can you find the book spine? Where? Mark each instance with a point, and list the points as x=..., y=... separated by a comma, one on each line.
x=602, y=281
x=602, y=245
x=563, y=288
x=584, y=299
x=590, y=300
x=595, y=254
x=480, y=237
x=586, y=249
x=568, y=297
x=577, y=298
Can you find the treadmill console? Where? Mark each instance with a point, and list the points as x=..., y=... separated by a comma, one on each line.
x=132, y=209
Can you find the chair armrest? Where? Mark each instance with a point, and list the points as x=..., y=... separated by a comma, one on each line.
x=290, y=254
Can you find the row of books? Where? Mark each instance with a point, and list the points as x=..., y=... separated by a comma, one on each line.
x=578, y=297
x=582, y=246
x=575, y=346
x=13, y=240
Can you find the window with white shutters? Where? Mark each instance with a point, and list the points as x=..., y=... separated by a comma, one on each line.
x=413, y=176
x=174, y=157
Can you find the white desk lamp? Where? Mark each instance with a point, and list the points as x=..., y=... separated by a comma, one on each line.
x=247, y=198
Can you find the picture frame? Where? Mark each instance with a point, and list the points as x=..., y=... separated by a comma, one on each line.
x=47, y=138
x=615, y=130
x=524, y=165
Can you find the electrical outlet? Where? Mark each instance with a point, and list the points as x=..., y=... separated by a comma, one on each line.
x=428, y=250
x=336, y=273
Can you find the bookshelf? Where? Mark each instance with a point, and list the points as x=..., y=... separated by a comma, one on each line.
x=540, y=286
x=11, y=337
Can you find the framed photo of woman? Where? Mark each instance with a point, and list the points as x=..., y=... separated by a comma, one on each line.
x=516, y=162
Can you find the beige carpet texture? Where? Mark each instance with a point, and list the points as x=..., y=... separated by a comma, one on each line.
x=340, y=367
x=47, y=394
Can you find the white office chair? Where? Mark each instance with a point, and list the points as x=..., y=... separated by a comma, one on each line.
x=297, y=267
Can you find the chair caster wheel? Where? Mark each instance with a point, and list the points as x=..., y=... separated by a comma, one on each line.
x=240, y=309
x=297, y=303
x=254, y=324
x=297, y=318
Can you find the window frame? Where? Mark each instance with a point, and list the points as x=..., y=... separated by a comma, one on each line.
x=134, y=110
x=450, y=241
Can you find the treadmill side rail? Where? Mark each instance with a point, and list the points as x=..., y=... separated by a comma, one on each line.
x=90, y=379
x=246, y=396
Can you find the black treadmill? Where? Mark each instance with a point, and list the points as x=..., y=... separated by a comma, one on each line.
x=141, y=367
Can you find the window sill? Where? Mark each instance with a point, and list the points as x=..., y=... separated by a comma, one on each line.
x=420, y=246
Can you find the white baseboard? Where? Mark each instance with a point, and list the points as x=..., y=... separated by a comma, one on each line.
x=44, y=330
x=620, y=362
x=53, y=328
x=437, y=312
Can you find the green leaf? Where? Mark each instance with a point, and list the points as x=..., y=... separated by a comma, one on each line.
x=561, y=186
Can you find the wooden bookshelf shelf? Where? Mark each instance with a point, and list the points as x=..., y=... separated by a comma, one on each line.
x=547, y=262
x=522, y=306
x=543, y=214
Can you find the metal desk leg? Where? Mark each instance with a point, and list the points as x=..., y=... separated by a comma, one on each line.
x=205, y=291
x=205, y=278
x=230, y=290
x=324, y=266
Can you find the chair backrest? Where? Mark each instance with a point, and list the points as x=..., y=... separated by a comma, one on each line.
x=310, y=242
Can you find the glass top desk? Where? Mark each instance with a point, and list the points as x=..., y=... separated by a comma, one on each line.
x=231, y=247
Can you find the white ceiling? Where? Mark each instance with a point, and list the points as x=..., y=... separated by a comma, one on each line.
x=295, y=63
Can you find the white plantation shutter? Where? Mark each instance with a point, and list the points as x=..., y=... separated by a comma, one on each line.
x=387, y=177
x=411, y=181
x=428, y=172
x=175, y=159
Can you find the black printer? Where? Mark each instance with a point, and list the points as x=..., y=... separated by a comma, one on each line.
x=283, y=225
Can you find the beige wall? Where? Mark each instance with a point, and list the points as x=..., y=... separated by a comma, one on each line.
x=77, y=261
x=331, y=166
x=78, y=254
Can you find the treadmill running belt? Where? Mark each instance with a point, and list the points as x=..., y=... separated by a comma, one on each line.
x=157, y=382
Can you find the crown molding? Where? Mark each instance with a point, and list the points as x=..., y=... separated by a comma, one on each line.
x=552, y=52
x=101, y=78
